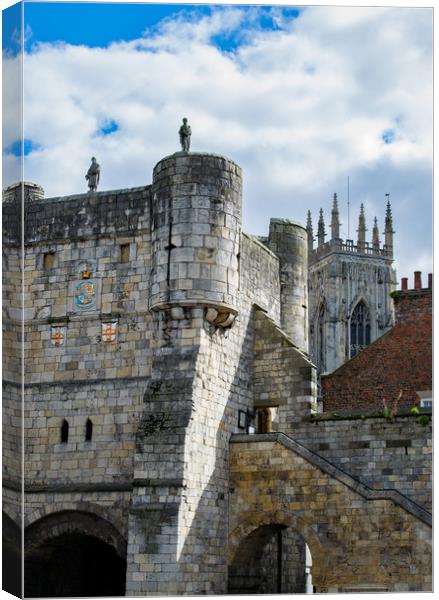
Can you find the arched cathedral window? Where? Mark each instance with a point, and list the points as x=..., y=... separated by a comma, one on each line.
x=360, y=329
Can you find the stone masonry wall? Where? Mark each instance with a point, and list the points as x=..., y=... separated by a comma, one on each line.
x=12, y=421
x=200, y=381
x=357, y=542
x=196, y=223
x=86, y=377
x=12, y=373
x=283, y=377
x=382, y=453
x=12, y=290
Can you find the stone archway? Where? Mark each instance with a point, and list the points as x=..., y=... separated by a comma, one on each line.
x=267, y=554
x=73, y=553
x=270, y=560
x=276, y=481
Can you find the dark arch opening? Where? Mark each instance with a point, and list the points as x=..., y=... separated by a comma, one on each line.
x=11, y=556
x=74, y=564
x=64, y=432
x=272, y=559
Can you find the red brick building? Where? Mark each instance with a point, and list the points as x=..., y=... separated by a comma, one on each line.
x=400, y=360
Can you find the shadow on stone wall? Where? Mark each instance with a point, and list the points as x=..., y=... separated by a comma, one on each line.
x=11, y=556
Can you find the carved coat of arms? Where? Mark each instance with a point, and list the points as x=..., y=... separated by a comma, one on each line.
x=85, y=295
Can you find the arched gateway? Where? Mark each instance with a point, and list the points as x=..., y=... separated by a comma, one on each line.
x=74, y=553
x=360, y=539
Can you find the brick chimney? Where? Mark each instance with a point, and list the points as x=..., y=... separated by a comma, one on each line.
x=413, y=307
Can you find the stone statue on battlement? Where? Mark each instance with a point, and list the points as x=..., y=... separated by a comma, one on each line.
x=93, y=175
x=185, y=133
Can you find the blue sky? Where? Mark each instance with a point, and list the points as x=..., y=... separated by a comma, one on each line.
x=99, y=24
x=301, y=99
x=11, y=26
x=94, y=24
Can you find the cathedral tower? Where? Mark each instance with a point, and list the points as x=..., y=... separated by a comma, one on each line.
x=349, y=288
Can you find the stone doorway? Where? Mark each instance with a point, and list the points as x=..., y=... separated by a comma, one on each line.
x=272, y=559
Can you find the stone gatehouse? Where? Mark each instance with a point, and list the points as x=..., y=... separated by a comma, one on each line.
x=168, y=406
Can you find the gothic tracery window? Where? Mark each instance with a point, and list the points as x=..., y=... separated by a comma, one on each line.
x=360, y=329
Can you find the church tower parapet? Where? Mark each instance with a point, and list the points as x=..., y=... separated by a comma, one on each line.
x=337, y=244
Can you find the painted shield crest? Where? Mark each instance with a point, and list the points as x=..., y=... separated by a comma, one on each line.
x=57, y=336
x=85, y=295
x=109, y=331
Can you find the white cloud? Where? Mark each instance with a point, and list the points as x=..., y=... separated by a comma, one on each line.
x=299, y=109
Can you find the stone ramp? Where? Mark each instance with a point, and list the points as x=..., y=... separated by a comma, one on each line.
x=327, y=467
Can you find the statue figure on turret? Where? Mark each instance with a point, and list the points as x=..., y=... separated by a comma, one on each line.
x=93, y=175
x=185, y=133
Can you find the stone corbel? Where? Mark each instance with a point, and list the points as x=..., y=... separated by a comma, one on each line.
x=219, y=318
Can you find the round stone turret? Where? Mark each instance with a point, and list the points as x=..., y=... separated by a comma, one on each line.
x=196, y=223
x=288, y=240
x=22, y=191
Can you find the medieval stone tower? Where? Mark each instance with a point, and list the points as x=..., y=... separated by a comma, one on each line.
x=349, y=288
x=164, y=411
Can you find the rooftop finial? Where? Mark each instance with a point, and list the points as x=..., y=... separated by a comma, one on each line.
x=375, y=235
x=361, y=242
x=335, y=220
x=309, y=231
x=389, y=219
x=388, y=229
x=321, y=229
